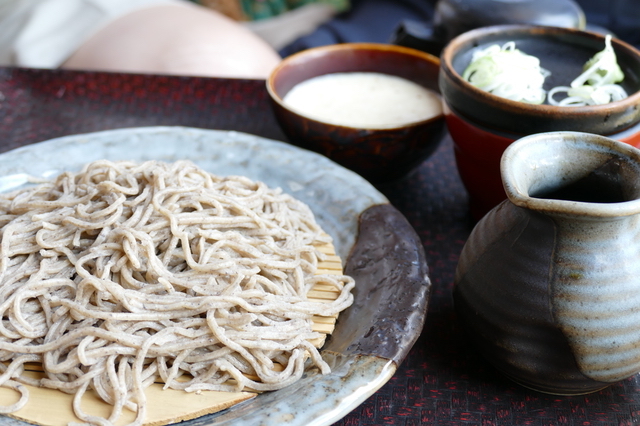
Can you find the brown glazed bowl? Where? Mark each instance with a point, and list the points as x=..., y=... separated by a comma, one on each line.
x=483, y=125
x=378, y=155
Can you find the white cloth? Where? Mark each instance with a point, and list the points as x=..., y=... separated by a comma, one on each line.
x=44, y=33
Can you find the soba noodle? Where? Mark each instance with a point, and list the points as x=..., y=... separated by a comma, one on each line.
x=127, y=273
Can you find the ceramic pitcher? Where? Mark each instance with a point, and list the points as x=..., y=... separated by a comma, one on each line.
x=548, y=283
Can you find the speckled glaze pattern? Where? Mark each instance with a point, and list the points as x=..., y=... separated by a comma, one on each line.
x=379, y=155
x=388, y=252
x=548, y=287
x=314, y=400
x=373, y=337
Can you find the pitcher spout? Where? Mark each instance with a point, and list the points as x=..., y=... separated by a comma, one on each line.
x=547, y=282
x=572, y=173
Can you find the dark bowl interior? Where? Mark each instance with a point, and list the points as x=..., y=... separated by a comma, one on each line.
x=563, y=52
x=379, y=155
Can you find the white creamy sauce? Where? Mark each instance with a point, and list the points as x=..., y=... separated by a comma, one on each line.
x=363, y=99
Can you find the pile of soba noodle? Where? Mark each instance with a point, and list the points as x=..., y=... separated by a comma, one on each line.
x=126, y=273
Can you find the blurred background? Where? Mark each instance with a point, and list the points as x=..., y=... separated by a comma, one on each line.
x=247, y=38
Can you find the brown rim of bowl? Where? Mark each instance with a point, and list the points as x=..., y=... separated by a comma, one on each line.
x=351, y=46
x=468, y=38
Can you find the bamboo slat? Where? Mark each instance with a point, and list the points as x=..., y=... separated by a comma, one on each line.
x=50, y=407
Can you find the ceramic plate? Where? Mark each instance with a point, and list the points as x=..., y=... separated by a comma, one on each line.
x=379, y=248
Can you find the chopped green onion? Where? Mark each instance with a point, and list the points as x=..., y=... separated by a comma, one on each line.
x=587, y=95
x=507, y=72
x=597, y=83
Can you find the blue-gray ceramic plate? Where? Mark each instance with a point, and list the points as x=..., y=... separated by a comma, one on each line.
x=378, y=246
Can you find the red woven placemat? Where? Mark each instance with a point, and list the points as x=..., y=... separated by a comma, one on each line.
x=442, y=381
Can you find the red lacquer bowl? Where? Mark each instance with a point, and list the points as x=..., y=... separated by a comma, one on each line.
x=482, y=125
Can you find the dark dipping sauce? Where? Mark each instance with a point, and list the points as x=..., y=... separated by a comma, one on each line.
x=603, y=185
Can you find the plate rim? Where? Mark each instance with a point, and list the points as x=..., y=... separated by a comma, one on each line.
x=356, y=383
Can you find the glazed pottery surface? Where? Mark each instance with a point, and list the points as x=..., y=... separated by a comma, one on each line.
x=378, y=155
x=482, y=125
x=561, y=51
x=547, y=283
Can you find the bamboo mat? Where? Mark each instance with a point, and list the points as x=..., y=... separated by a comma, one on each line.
x=50, y=407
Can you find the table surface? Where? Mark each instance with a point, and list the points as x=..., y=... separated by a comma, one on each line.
x=443, y=381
